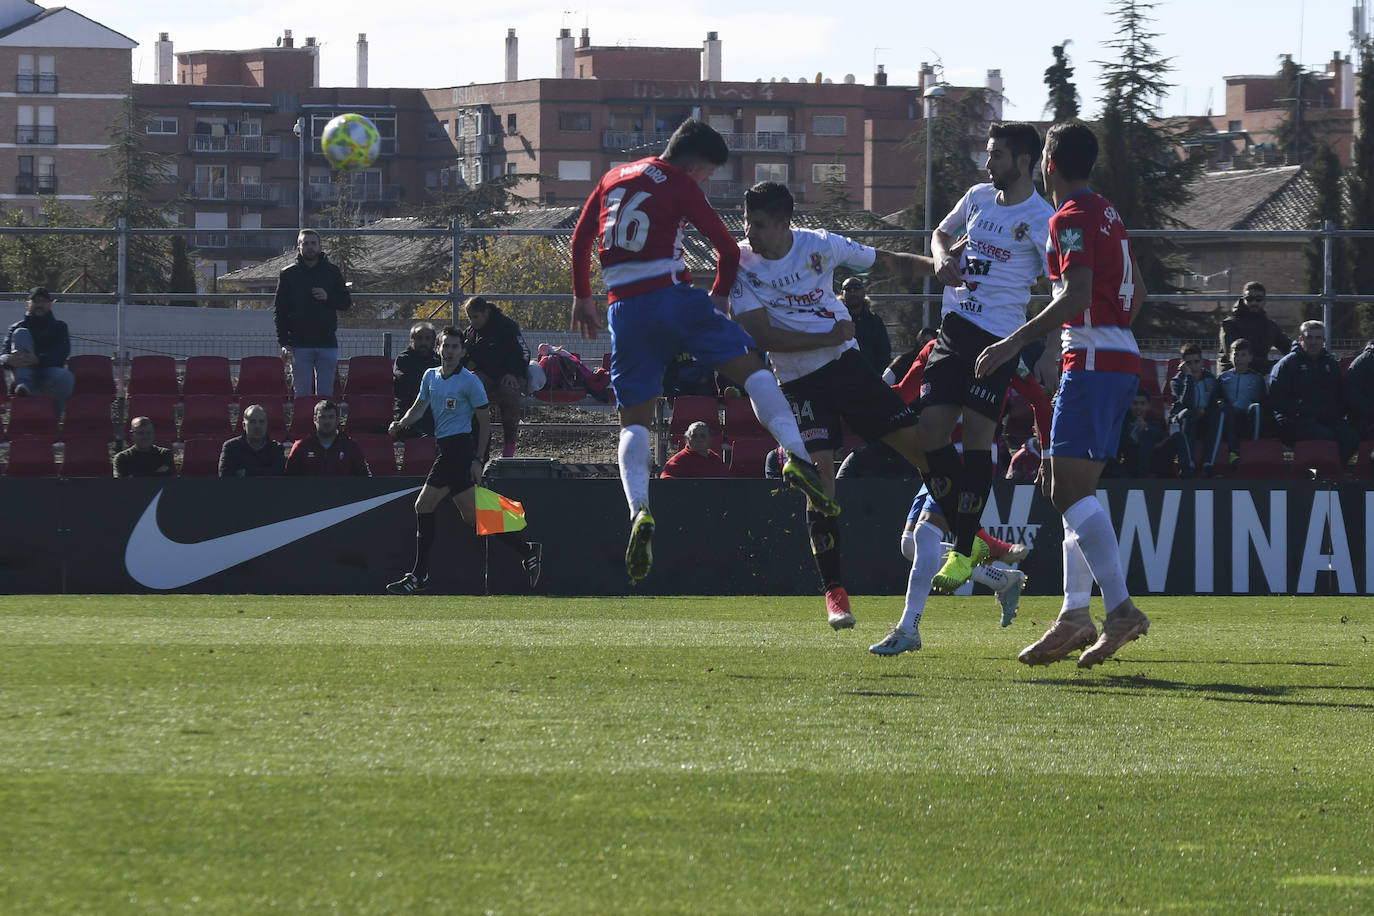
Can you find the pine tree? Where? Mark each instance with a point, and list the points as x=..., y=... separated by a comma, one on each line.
x=182, y=278
x=1063, y=101
x=1361, y=213
x=136, y=173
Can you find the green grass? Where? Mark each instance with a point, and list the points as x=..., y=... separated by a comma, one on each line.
x=231, y=755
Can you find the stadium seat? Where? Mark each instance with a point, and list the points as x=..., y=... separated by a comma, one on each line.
x=380, y=452
x=262, y=377
x=367, y=375
x=689, y=409
x=368, y=413
x=86, y=457
x=94, y=374
x=89, y=416
x=1149, y=376
x=747, y=455
x=740, y=422
x=1320, y=455
x=32, y=458
x=153, y=375
x=207, y=375
x=418, y=457
x=200, y=457
x=1261, y=459
x=160, y=408
x=276, y=415
x=206, y=415
x=33, y=417
x=302, y=416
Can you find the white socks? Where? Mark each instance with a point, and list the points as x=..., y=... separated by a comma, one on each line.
x=634, y=466
x=909, y=544
x=991, y=576
x=1078, y=578
x=929, y=557
x=773, y=411
x=1097, y=541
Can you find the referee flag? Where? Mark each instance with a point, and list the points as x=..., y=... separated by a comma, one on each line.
x=496, y=514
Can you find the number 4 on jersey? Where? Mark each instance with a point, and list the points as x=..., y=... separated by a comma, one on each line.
x=626, y=226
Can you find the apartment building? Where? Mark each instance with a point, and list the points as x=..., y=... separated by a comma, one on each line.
x=70, y=77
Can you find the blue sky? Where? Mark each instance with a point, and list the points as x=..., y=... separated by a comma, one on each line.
x=420, y=42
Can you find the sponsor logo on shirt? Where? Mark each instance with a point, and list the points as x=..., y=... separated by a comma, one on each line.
x=1071, y=239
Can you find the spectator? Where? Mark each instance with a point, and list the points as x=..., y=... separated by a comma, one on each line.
x=410, y=367
x=1024, y=466
x=1146, y=449
x=901, y=365
x=36, y=350
x=1240, y=391
x=1247, y=319
x=143, y=458
x=685, y=375
x=697, y=458
x=1191, y=416
x=310, y=294
x=327, y=452
x=252, y=454
x=497, y=355
x=1307, y=395
x=869, y=329
x=1359, y=391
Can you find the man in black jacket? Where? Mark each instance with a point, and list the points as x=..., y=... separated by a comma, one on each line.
x=310, y=294
x=1359, y=391
x=36, y=349
x=1308, y=396
x=875, y=346
x=1249, y=322
x=253, y=454
x=406, y=374
x=496, y=353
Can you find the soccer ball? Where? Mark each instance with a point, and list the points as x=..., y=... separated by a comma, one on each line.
x=350, y=142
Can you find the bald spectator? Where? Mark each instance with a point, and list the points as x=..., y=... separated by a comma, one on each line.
x=144, y=458
x=327, y=452
x=1248, y=320
x=497, y=355
x=254, y=453
x=697, y=458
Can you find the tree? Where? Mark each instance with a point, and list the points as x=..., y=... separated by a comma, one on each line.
x=1362, y=188
x=1296, y=135
x=529, y=265
x=41, y=259
x=182, y=277
x=1063, y=101
x=1326, y=173
x=136, y=173
x=1139, y=169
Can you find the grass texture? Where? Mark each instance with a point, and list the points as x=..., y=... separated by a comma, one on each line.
x=695, y=755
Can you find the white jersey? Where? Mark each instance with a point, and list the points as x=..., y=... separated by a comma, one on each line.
x=798, y=292
x=1004, y=256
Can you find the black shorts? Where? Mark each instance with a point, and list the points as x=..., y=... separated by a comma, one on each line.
x=949, y=377
x=452, y=463
x=845, y=389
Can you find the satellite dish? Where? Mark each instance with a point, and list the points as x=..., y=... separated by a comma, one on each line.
x=849, y=79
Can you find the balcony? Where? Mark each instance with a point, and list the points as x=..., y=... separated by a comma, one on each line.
x=271, y=195
x=757, y=142
x=731, y=193
x=322, y=195
x=26, y=134
x=210, y=240
x=240, y=146
x=242, y=241
x=35, y=184
x=387, y=147
x=45, y=83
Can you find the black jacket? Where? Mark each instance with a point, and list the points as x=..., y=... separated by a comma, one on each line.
x=1256, y=327
x=405, y=377
x=1359, y=388
x=498, y=348
x=239, y=459
x=51, y=343
x=1309, y=389
x=874, y=344
x=302, y=321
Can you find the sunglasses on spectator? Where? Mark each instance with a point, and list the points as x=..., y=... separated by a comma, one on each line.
x=1252, y=298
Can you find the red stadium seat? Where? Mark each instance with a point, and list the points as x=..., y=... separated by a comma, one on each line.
x=32, y=458
x=747, y=455
x=153, y=375
x=207, y=375
x=89, y=416
x=368, y=375
x=740, y=421
x=206, y=415
x=369, y=413
x=160, y=408
x=262, y=377
x=418, y=457
x=1320, y=455
x=1261, y=459
x=276, y=415
x=33, y=417
x=692, y=408
x=380, y=452
x=1149, y=376
x=303, y=416
x=86, y=457
x=94, y=374
x=200, y=457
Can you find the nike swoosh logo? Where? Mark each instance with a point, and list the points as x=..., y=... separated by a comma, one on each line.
x=156, y=561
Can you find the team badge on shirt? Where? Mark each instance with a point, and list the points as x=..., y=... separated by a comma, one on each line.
x=1021, y=231
x=450, y=403
x=1071, y=239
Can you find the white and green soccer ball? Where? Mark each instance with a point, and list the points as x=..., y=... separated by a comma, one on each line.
x=350, y=142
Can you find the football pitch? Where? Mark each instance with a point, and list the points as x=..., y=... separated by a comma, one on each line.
x=678, y=755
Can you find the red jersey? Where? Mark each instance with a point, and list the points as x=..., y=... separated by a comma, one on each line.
x=1087, y=231
x=639, y=211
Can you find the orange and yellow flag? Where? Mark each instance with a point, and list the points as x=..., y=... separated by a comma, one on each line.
x=496, y=514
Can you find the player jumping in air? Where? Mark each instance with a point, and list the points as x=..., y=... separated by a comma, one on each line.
x=1096, y=297
x=638, y=211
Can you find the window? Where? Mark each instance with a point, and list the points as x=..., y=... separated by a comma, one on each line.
x=828, y=125
x=510, y=124
x=823, y=172
x=510, y=168
x=576, y=170
x=250, y=127
x=575, y=120
x=211, y=181
x=722, y=124
x=47, y=175
x=770, y=171
x=161, y=125
x=434, y=130
x=44, y=80
x=431, y=178
x=1233, y=126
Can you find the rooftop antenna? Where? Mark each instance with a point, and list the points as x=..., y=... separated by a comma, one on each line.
x=875, y=57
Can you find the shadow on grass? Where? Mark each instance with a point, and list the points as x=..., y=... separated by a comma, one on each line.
x=1277, y=694
x=884, y=693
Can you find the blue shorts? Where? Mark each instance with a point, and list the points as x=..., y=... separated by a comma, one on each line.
x=650, y=330
x=922, y=503
x=1088, y=413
